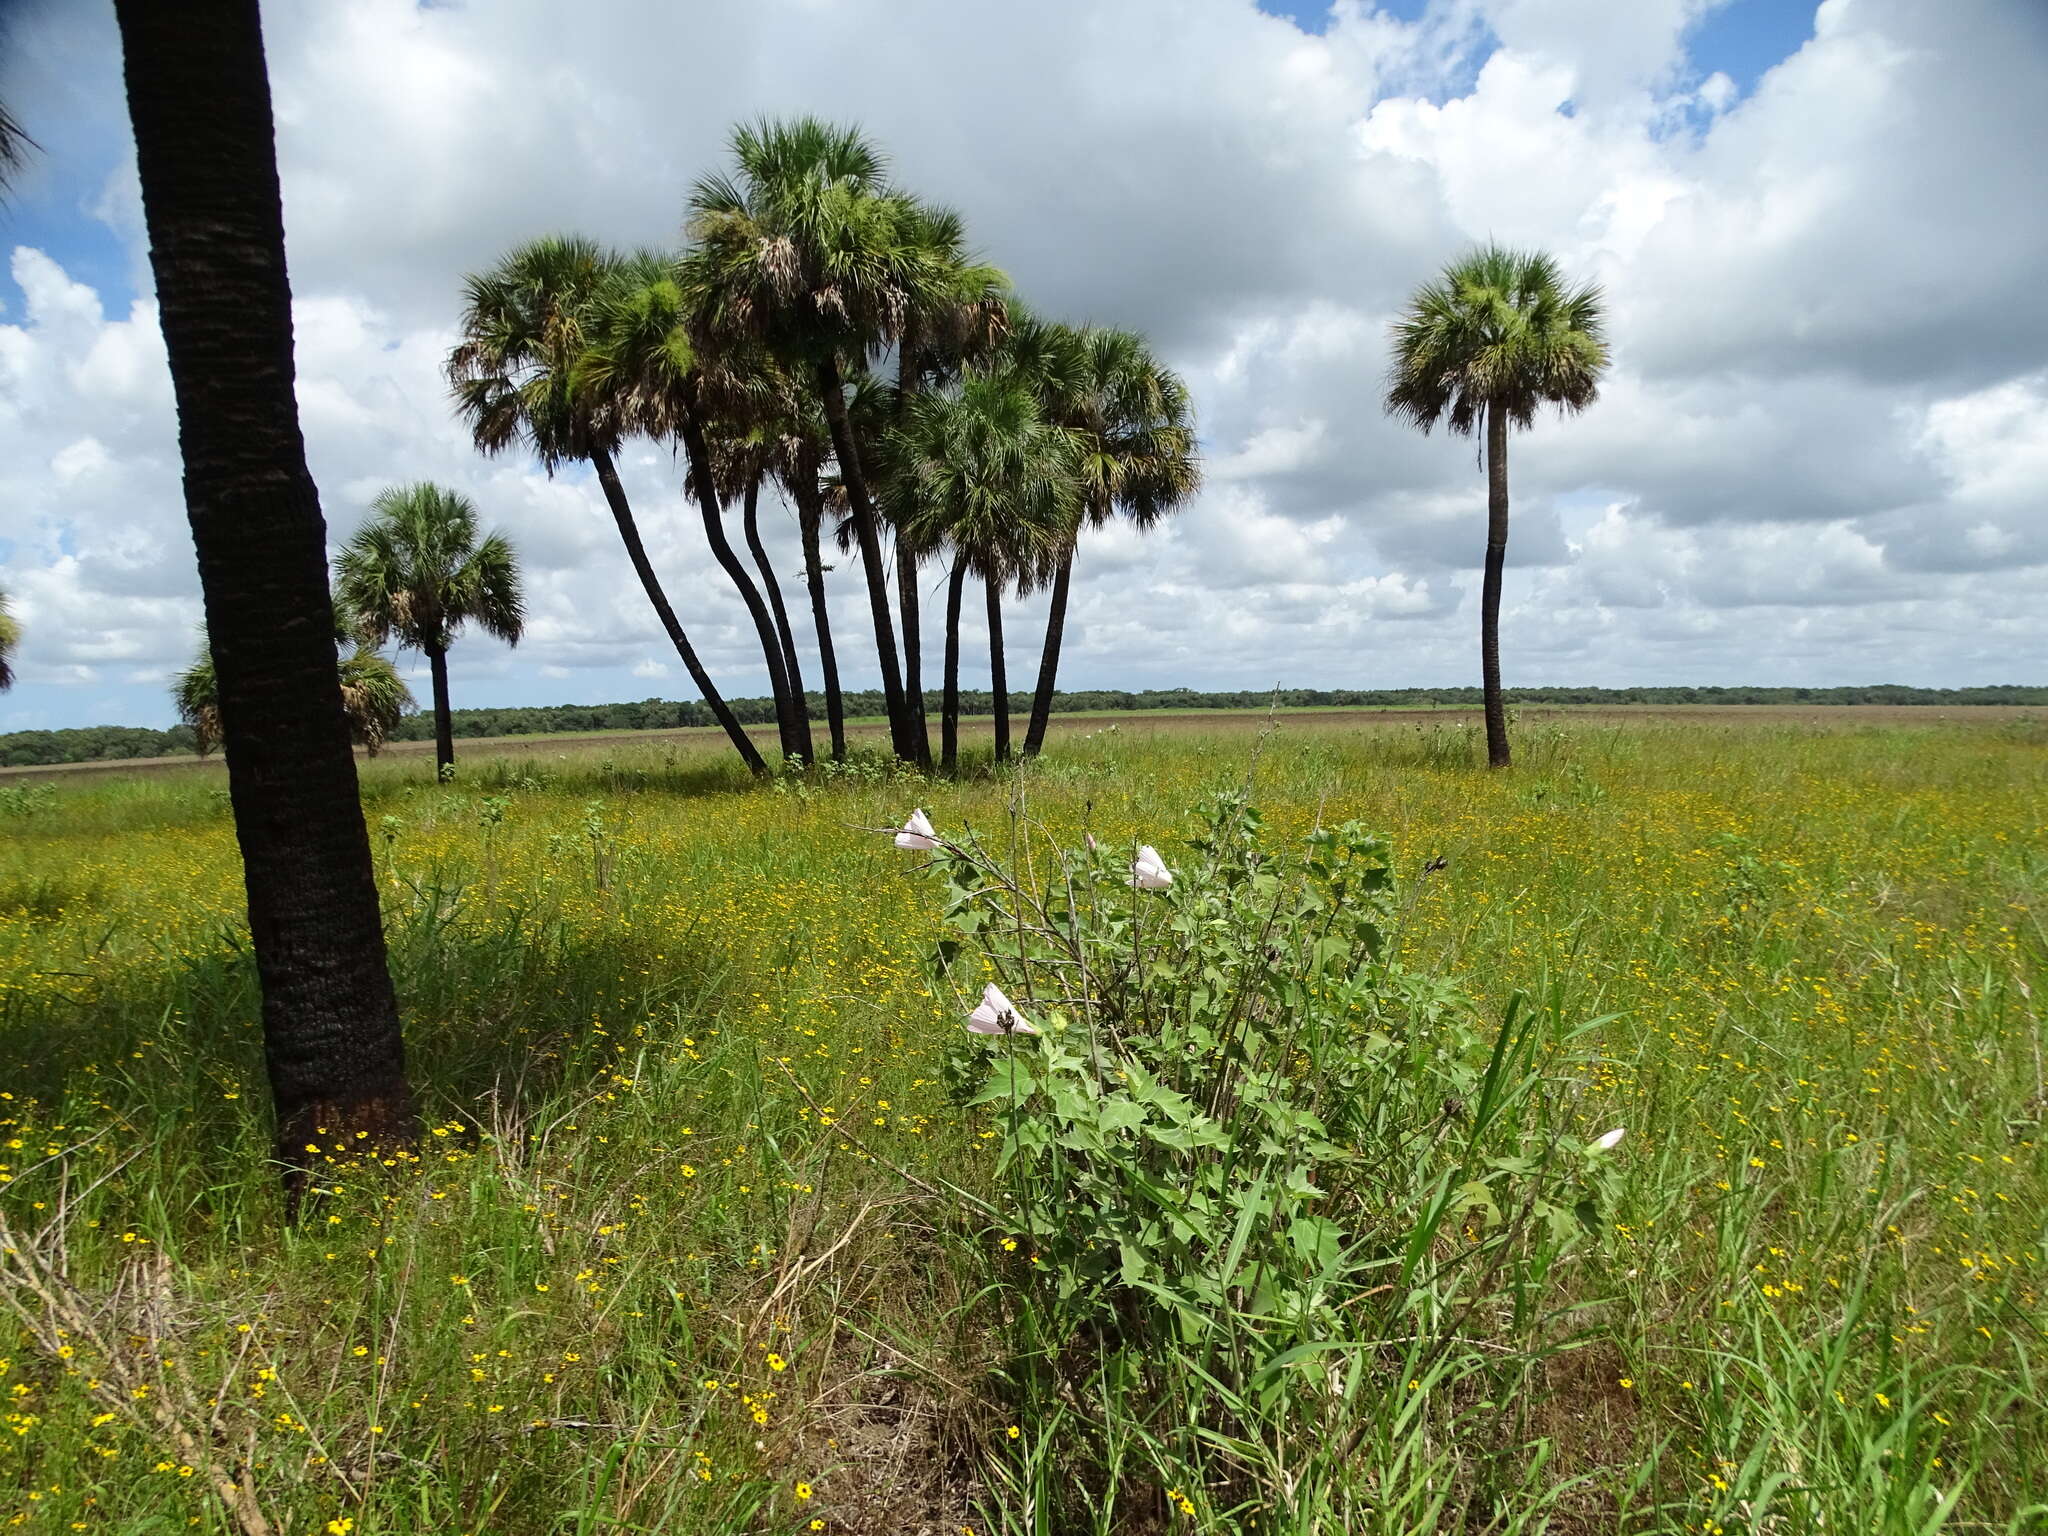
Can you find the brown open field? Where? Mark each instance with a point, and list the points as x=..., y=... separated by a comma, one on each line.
x=1824, y=716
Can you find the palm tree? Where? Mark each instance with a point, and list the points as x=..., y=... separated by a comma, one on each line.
x=744, y=462
x=524, y=327
x=1135, y=426
x=199, y=99
x=640, y=357
x=418, y=570
x=10, y=641
x=956, y=315
x=976, y=469
x=374, y=698
x=811, y=254
x=798, y=443
x=1494, y=339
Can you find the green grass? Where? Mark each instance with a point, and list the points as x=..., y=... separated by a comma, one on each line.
x=1817, y=1304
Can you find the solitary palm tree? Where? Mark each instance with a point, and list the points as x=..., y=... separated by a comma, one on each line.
x=977, y=470
x=373, y=697
x=1493, y=340
x=199, y=99
x=418, y=571
x=525, y=329
x=10, y=641
x=811, y=254
x=1134, y=425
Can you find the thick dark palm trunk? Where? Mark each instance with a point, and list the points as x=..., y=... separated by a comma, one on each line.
x=200, y=102
x=949, y=703
x=998, y=675
x=799, y=707
x=810, y=511
x=629, y=535
x=1049, y=659
x=722, y=551
x=832, y=390
x=913, y=658
x=1489, y=593
x=444, y=718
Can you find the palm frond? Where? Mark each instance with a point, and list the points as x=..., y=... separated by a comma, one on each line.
x=1498, y=330
x=14, y=146
x=10, y=641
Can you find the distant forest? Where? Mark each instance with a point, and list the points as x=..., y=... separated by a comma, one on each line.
x=101, y=743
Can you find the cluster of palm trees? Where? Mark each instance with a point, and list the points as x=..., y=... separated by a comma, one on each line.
x=826, y=334
x=416, y=571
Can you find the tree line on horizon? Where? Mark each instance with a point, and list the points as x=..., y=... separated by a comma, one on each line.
x=111, y=743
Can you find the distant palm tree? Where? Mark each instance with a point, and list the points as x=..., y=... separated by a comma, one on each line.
x=10, y=641
x=374, y=698
x=418, y=570
x=525, y=328
x=810, y=253
x=199, y=100
x=977, y=470
x=1134, y=424
x=1488, y=344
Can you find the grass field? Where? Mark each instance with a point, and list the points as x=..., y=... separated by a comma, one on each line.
x=706, y=1239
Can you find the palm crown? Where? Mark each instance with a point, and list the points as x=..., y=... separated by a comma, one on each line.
x=1131, y=416
x=1500, y=330
x=979, y=468
x=418, y=570
x=524, y=327
x=808, y=248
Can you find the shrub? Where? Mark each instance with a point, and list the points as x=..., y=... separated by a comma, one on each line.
x=1252, y=1167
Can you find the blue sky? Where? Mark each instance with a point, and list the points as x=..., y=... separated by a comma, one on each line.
x=1790, y=477
x=1740, y=38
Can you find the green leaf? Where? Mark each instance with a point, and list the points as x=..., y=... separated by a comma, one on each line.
x=1116, y=1115
x=1316, y=1239
x=1011, y=1081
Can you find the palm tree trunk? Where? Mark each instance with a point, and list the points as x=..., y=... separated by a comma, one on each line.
x=699, y=453
x=444, y=721
x=199, y=98
x=810, y=507
x=629, y=535
x=998, y=678
x=799, y=707
x=913, y=658
x=1049, y=659
x=949, y=704
x=1489, y=594
x=833, y=391
x=906, y=582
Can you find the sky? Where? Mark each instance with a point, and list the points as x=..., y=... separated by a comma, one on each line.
x=1820, y=455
